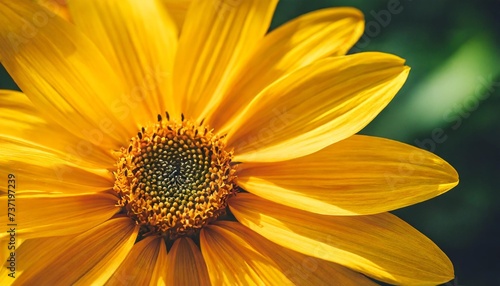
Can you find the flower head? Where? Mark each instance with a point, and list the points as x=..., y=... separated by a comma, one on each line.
x=210, y=152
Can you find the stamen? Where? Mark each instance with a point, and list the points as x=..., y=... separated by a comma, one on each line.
x=174, y=178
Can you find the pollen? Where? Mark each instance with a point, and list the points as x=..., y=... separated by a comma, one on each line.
x=174, y=178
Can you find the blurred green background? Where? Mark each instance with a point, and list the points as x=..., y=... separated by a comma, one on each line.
x=453, y=92
x=450, y=105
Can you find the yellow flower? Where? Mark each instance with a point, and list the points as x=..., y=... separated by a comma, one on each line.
x=215, y=154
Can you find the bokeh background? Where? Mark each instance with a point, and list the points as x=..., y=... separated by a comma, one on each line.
x=450, y=105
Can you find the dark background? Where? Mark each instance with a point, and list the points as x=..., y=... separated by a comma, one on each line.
x=450, y=105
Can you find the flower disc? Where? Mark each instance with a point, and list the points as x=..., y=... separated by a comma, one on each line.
x=174, y=178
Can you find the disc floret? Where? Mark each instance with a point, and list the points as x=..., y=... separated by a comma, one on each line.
x=174, y=177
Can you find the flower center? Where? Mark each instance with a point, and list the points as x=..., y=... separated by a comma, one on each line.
x=174, y=178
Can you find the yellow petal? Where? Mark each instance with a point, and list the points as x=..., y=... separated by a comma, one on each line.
x=38, y=168
x=88, y=259
x=231, y=260
x=26, y=254
x=63, y=74
x=138, y=266
x=178, y=10
x=59, y=7
x=216, y=37
x=299, y=268
x=359, y=175
x=20, y=119
x=185, y=264
x=316, y=106
x=159, y=277
x=298, y=43
x=139, y=39
x=381, y=246
x=48, y=215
